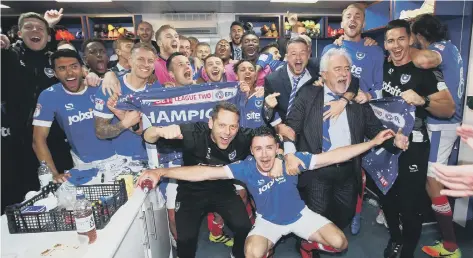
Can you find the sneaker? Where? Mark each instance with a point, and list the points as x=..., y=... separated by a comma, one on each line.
x=226, y=240
x=356, y=224
x=380, y=219
x=437, y=250
x=392, y=250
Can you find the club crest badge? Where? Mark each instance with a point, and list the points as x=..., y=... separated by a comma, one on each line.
x=259, y=103
x=360, y=55
x=178, y=205
x=391, y=70
x=232, y=155
x=99, y=104
x=49, y=72
x=405, y=78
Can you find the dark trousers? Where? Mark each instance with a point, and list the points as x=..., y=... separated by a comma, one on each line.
x=331, y=192
x=191, y=207
x=404, y=201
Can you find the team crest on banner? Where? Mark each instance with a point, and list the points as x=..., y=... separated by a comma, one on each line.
x=360, y=55
x=232, y=155
x=380, y=164
x=99, y=104
x=405, y=78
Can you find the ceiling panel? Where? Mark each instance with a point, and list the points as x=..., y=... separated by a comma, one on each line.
x=137, y=7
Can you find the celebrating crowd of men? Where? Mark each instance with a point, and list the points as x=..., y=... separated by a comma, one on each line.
x=295, y=160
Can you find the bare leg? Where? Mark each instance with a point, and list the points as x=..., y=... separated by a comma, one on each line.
x=172, y=222
x=330, y=235
x=257, y=246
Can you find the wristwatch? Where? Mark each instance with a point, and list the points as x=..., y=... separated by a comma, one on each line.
x=427, y=102
x=280, y=156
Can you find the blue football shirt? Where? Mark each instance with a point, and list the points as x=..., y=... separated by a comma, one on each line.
x=277, y=199
x=452, y=69
x=367, y=65
x=74, y=113
x=127, y=143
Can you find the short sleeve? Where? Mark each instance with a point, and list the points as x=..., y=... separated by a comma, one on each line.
x=305, y=157
x=432, y=82
x=45, y=110
x=439, y=47
x=100, y=105
x=238, y=170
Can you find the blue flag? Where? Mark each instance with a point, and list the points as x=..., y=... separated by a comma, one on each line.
x=380, y=164
x=193, y=103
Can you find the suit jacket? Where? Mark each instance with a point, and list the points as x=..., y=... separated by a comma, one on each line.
x=279, y=81
x=306, y=119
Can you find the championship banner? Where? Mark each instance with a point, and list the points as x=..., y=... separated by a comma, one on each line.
x=193, y=103
x=380, y=164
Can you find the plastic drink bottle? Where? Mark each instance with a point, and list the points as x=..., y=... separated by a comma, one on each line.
x=84, y=218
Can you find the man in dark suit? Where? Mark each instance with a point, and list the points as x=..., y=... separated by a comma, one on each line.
x=332, y=191
x=236, y=35
x=300, y=70
x=145, y=34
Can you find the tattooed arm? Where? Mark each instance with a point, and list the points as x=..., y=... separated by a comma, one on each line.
x=104, y=129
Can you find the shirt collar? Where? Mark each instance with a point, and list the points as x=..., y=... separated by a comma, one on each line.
x=120, y=67
x=291, y=75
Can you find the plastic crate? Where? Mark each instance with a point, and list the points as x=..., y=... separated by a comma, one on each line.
x=63, y=220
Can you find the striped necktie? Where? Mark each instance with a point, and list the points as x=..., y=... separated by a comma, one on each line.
x=238, y=53
x=292, y=97
x=326, y=142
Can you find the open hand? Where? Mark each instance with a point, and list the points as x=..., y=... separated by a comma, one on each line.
x=459, y=179
x=362, y=97
x=111, y=84
x=61, y=178
x=401, y=141
x=286, y=131
x=370, y=42
x=277, y=170
x=466, y=134
x=336, y=108
x=92, y=80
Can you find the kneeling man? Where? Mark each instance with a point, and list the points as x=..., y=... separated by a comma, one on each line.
x=281, y=211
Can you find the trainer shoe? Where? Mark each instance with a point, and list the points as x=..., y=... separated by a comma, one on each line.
x=437, y=250
x=226, y=240
x=380, y=219
x=356, y=224
x=392, y=250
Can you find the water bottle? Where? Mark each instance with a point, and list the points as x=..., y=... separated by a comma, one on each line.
x=84, y=218
x=45, y=174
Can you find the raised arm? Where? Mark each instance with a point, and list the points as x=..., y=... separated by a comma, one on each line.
x=153, y=133
x=343, y=154
x=189, y=173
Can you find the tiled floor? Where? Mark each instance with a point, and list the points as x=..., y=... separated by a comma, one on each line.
x=370, y=243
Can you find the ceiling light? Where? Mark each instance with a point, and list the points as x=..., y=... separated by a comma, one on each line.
x=295, y=1
x=4, y=6
x=85, y=1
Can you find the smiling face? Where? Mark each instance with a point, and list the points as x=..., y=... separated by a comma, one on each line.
x=236, y=32
x=185, y=47
x=214, y=68
x=246, y=73
x=168, y=42
x=145, y=32
x=224, y=128
x=264, y=149
x=181, y=70
x=69, y=72
x=96, y=57
x=396, y=42
x=124, y=50
x=142, y=63
x=353, y=21
x=250, y=47
x=222, y=50
x=34, y=33
x=297, y=57
x=338, y=76
x=202, y=51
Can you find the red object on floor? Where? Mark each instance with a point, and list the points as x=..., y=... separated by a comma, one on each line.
x=215, y=228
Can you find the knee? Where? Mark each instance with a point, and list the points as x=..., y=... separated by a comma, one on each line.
x=339, y=242
x=253, y=250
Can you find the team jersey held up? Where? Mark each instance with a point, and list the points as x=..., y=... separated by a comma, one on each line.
x=398, y=79
x=252, y=112
x=74, y=113
x=367, y=65
x=277, y=199
x=452, y=69
x=127, y=143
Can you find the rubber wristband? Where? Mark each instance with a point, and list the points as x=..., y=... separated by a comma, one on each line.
x=343, y=97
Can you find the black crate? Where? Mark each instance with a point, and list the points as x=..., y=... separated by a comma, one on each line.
x=63, y=220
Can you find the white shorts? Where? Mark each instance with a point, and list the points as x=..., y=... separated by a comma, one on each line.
x=304, y=227
x=238, y=187
x=441, y=145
